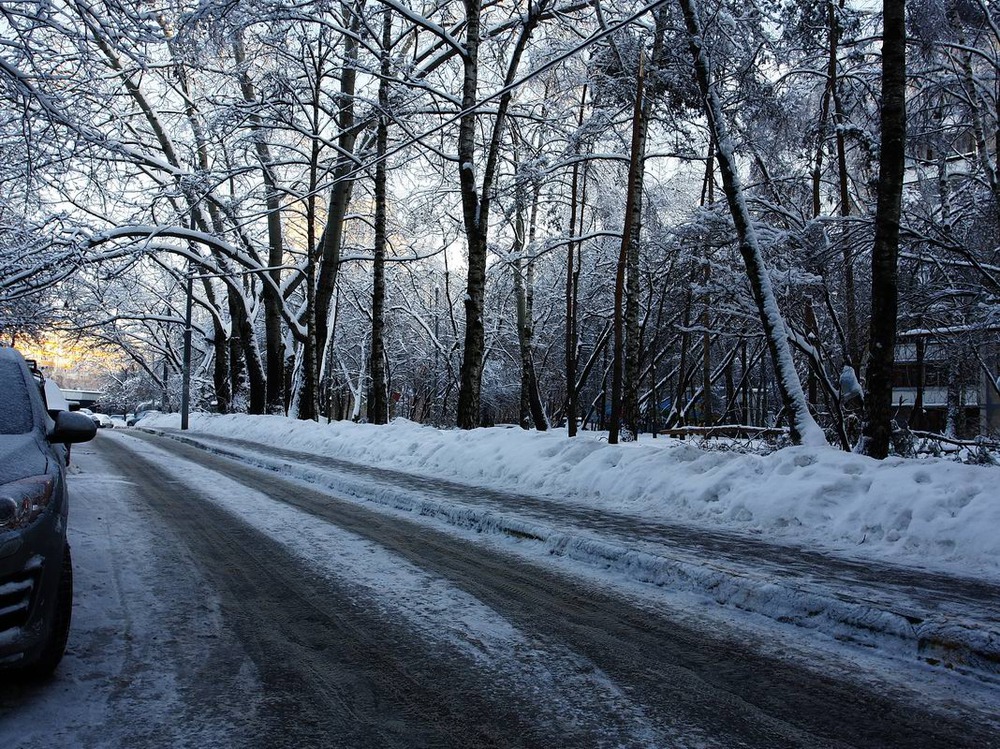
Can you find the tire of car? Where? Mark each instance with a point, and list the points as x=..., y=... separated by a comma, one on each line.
x=55, y=645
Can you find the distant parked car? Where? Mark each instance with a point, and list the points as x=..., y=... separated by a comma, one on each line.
x=36, y=573
x=136, y=418
x=103, y=421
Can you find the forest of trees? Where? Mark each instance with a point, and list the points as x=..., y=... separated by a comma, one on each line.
x=601, y=214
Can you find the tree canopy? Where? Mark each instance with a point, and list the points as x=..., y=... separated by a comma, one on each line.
x=439, y=210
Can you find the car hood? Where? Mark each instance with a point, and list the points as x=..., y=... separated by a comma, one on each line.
x=20, y=457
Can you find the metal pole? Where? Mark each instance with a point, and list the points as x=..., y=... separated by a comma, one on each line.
x=186, y=374
x=435, y=417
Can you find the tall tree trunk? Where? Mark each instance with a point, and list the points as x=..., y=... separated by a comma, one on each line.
x=763, y=401
x=245, y=370
x=250, y=369
x=274, y=340
x=631, y=219
x=220, y=372
x=572, y=252
x=340, y=195
x=471, y=373
x=812, y=335
x=881, y=349
x=803, y=427
x=831, y=95
x=677, y=415
x=274, y=344
x=308, y=396
x=840, y=121
x=378, y=402
x=476, y=202
x=745, y=389
x=706, y=349
x=633, y=334
x=531, y=412
x=953, y=421
x=730, y=414
x=708, y=194
x=237, y=370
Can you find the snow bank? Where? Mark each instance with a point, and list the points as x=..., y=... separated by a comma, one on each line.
x=934, y=513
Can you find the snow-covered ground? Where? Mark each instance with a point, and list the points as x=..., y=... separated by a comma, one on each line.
x=138, y=663
x=934, y=513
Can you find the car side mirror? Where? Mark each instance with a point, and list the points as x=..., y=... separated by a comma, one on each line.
x=71, y=427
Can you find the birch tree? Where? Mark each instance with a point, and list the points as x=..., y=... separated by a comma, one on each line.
x=803, y=427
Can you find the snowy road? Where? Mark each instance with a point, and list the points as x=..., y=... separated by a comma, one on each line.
x=220, y=605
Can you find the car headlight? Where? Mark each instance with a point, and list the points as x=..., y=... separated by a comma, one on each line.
x=21, y=502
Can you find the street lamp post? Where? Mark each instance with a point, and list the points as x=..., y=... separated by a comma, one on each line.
x=186, y=368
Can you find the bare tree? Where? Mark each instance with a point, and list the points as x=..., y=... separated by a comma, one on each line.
x=882, y=342
x=803, y=426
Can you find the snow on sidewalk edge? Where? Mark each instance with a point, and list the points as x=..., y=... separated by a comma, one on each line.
x=933, y=513
x=968, y=649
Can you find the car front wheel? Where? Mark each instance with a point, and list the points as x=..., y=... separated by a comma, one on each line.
x=55, y=645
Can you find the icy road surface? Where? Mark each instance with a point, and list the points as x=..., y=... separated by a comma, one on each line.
x=220, y=605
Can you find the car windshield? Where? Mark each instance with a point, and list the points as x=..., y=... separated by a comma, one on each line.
x=15, y=406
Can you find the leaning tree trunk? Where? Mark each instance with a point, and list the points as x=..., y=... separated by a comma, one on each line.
x=246, y=367
x=274, y=341
x=881, y=349
x=804, y=428
x=332, y=239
